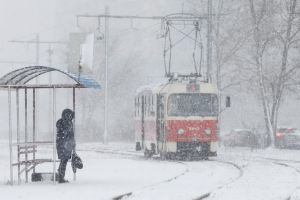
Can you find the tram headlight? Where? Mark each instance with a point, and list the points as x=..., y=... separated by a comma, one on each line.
x=208, y=131
x=180, y=131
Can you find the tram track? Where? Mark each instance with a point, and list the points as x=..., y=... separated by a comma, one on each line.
x=295, y=189
x=257, y=157
x=132, y=153
x=203, y=196
x=276, y=162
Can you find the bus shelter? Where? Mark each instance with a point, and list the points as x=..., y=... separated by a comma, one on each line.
x=16, y=81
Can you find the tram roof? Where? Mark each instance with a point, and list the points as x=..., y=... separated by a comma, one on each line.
x=174, y=87
x=20, y=77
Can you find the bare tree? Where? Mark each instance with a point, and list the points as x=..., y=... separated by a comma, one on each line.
x=262, y=36
x=274, y=30
x=287, y=34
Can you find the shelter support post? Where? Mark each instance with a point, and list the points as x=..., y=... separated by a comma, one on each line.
x=18, y=135
x=74, y=126
x=106, y=72
x=10, y=137
x=33, y=121
x=54, y=137
x=26, y=138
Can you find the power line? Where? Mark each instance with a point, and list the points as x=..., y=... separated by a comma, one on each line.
x=41, y=42
x=191, y=17
x=139, y=30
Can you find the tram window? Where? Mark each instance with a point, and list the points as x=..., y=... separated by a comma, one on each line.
x=149, y=105
x=140, y=106
x=153, y=105
x=146, y=106
x=152, y=111
x=215, y=106
x=135, y=107
x=192, y=105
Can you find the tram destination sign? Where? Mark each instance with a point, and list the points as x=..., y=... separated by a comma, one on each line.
x=193, y=88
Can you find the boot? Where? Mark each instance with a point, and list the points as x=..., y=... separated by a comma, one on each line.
x=62, y=171
x=63, y=181
x=61, y=178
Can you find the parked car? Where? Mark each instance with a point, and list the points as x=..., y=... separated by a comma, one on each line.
x=287, y=137
x=240, y=138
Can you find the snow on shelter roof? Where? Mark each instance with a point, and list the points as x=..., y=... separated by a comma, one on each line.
x=22, y=76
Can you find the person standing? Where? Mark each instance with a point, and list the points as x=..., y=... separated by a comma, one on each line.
x=65, y=142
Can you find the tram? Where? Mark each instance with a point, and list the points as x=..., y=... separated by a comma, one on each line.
x=177, y=118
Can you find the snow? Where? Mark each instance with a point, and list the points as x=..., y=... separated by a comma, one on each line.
x=114, y=169
x=193, y=184
x=103, y=176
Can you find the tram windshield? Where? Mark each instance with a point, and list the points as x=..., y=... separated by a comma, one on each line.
x=193, y=105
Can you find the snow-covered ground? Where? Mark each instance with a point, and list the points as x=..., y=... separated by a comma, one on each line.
x=102, y=177
x=115, y=168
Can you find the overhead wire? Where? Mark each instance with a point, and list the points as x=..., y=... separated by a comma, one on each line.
x=197, y=31
x=201, y=49
x=181, y=39
x=183, y=33
x=171, y=46
x=165, y=64
x=142, y=29
x=170, y=55
x=126, y=31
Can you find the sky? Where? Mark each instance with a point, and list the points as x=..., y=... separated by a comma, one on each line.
x=53, y=20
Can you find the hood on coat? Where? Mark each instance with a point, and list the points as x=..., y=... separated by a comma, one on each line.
x=67, y=113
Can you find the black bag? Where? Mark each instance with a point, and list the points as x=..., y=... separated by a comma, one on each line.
x=76, y=162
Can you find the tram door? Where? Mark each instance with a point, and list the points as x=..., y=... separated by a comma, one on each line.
x=143, y=121
x=160, y=121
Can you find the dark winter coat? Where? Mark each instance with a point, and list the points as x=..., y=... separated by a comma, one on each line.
x=65, y=141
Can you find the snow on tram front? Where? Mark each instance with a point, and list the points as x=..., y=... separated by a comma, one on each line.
x=177, y=118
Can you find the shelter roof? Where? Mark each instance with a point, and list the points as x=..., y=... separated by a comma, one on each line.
x=21, y=76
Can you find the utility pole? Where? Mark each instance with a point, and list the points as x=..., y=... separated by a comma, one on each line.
x=37, y=91
x=50, y=91
x=106, y=67
x=37, y=62
x=209, y=43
